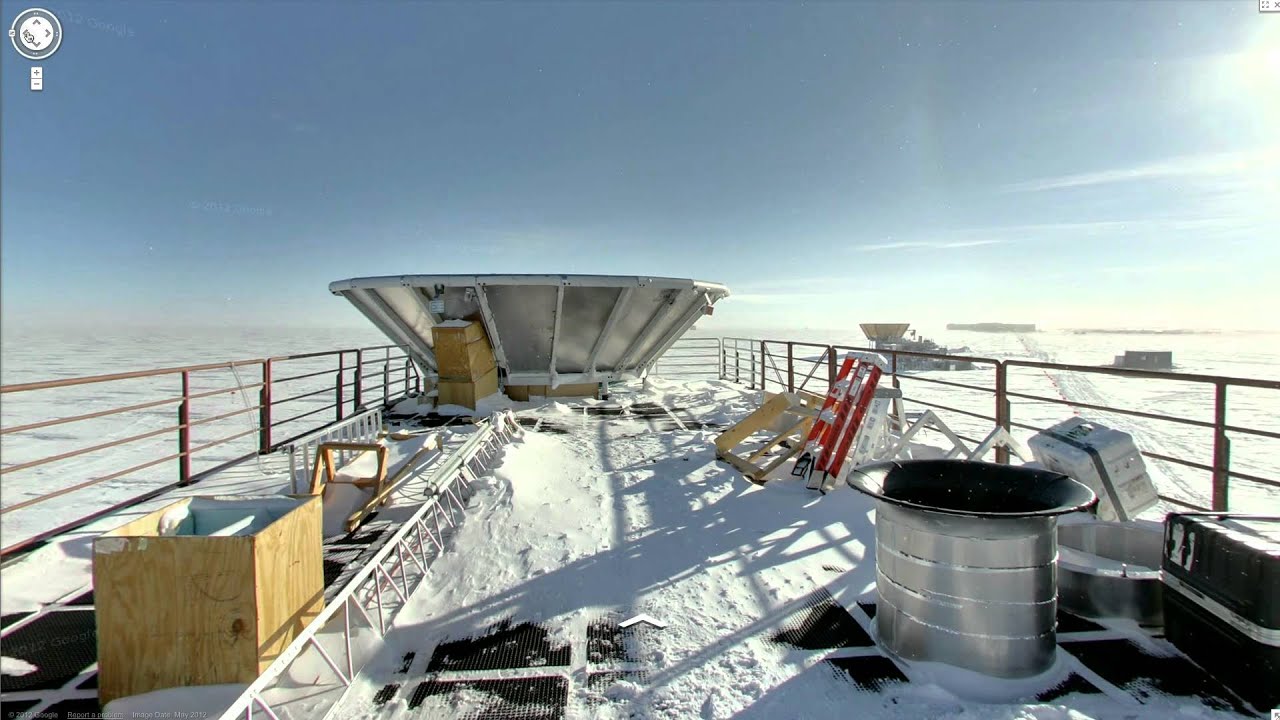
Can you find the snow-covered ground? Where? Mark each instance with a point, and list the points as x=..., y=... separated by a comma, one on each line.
x=588, y=518
x=41, y=355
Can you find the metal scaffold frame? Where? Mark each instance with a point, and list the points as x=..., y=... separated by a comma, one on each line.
x=383, y=586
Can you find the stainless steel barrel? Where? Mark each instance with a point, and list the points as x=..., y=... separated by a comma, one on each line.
x=1112, y=569
x=966, y=561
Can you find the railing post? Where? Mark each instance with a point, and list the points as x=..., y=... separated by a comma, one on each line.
x=184, y=431
x=264, y=409
x=737, y=363
x=386, y=378
x=358, y=393
x=342, y=371
x=831, y=368
x=1002, y=408
x=1221, y=448
x=764, y=363
x=893, y=369
x=791, y=367
x=407, y=365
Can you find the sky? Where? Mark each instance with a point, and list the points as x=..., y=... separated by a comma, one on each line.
x=1100, y=164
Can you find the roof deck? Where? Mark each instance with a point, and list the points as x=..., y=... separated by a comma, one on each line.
x=497, y=582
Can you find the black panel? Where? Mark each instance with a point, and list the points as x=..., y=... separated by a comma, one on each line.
x=60, y=644
x=1143, y=675
x=542, y=698
x=822, y=624
x=504, y=647
x=873, y=673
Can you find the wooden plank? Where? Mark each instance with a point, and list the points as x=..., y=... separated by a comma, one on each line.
x=742, y=466
x=324, y=455
x=390, y=486
x=288, y=579
x=759, y=420
x=524, y=392
x=802, y=425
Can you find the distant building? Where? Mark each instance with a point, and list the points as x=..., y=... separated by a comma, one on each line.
x=993, y=327
x=1145, y=360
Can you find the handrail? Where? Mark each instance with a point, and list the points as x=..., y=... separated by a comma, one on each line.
x=763, y=358
x=256, y=394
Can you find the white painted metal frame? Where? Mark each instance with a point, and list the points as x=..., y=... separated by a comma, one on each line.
x=490, y=326
x=619, y=307
x=365, y=592
x=687, y=320
x=410, y=340
x=360, y=428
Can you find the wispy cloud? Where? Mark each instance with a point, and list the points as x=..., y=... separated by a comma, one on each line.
x=1184, y=167
x=927, y=245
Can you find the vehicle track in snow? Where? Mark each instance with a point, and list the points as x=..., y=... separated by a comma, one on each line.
x=1170, y=478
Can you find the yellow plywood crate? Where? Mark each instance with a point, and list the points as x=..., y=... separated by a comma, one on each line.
x=522, y=393
x=467, y=393
x=205, y=591
x=462, y=351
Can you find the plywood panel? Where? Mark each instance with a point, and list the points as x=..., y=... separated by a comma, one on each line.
x=525, y=392
x=467, y=393
x=289, y=587
x=173, y=611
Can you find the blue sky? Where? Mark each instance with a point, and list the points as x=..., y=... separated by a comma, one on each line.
x=1084, y=163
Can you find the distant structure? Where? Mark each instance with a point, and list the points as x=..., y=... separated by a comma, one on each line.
x=892, y=336
x=992, y=327
x=1145, y=360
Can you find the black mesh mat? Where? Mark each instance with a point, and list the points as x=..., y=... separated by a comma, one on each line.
x=504, y=647
x=822, y=624
x=61, y=644
x=541, y=698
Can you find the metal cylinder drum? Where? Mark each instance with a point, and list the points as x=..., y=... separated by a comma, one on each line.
x=966, y=555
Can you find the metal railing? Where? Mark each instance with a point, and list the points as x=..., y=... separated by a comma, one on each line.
x=362, y=427
x=691, y=358
x=295, y=395
x=783, y=365
x=374, y=596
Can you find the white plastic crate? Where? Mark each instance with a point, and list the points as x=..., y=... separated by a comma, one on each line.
x=1070, y=448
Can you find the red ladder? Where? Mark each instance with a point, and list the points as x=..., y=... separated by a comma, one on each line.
x=838, y=422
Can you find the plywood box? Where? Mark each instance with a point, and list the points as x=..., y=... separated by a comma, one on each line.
x=459, y=331
x=462, y=351
x=466, y=393
x=522, y=393
x=205, y=591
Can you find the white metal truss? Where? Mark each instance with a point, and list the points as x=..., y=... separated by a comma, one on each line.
x=929, y=420
x=619, y=309
x=380, y=589
x=998, y=437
